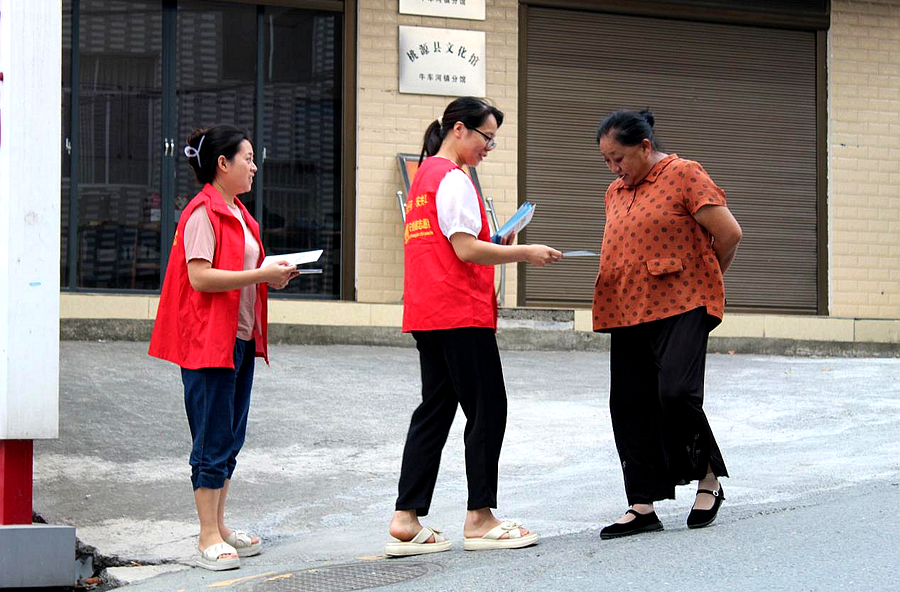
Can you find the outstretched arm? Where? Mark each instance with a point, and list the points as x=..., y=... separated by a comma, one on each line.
x=471, y=250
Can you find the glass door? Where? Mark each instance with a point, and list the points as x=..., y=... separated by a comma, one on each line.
x=68, y=33
x=302, y=137
x=118, y=152
x=139, y=76
x=215, y=79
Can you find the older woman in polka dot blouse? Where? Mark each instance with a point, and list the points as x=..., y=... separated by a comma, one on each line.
x=668, y=240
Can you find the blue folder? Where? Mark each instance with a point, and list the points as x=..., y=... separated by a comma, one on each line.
x=516, y=223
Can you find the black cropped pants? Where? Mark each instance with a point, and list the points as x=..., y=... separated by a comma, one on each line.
x=459, y=367
x=656, y=403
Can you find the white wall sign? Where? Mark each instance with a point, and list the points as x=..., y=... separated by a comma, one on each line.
x=464, y=9
x=442, y=62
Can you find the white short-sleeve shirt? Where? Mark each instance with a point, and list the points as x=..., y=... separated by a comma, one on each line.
x=457, y=205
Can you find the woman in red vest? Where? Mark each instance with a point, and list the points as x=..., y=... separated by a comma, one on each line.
x=211, y=321
x=451, y=310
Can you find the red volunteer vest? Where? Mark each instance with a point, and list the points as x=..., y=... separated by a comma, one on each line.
x=198, y=329
x=440, y=291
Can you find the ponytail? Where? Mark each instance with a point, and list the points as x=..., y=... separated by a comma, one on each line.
x=471, y=111
x=434, y=137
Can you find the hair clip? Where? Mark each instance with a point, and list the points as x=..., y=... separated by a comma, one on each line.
x=192, y=152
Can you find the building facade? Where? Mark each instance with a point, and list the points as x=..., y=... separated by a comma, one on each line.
x=791, y=107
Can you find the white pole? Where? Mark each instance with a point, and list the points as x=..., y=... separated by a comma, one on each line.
x=30, y=152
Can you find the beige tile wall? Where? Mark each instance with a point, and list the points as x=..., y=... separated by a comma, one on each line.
x=357, y=314
x=864, y=159
x=390, y=122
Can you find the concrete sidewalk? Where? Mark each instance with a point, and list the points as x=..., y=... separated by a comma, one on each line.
x=811, y=443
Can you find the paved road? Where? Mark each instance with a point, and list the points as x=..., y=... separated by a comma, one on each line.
x=811, y=443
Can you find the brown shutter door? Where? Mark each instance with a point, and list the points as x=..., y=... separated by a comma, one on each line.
x=740, y=100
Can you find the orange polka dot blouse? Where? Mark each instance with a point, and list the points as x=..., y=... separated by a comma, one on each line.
x=657, y=261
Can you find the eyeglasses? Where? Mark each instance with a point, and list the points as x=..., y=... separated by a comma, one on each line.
x=491, y=142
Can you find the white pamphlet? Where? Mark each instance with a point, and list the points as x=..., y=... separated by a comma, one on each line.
x=294, y=258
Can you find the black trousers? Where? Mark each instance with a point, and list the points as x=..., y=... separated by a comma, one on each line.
x=459, y=366
x=656, y=403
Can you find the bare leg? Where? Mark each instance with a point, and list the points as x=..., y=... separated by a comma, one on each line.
x=207, y=501
x=705, y=501
x=405, y=525
x=639, y=508
x=479, y=522
x=220, y=511
x=224, y=531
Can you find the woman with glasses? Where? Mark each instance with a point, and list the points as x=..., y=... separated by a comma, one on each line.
x=451, y=310
x=669, y=238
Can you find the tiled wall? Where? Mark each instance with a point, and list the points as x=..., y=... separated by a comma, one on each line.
x=390, y=122
x=864, y=159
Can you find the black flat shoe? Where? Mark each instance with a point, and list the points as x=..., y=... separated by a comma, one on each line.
x=701, y=518
x=641, y=523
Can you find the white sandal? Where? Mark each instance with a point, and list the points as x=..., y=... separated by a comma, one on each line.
x=418, y=545
x=492, y=540
x=210, y=558
x=244, y=544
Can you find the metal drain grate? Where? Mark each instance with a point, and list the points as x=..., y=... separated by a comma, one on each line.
x=341, y=578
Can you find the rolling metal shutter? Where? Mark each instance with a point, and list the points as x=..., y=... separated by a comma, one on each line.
x=741, y=100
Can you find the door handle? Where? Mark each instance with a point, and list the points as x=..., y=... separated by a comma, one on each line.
x=68, y=147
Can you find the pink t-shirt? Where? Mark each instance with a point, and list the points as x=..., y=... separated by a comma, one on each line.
x=200, y=243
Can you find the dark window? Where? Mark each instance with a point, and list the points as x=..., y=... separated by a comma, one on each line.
x=148, y=73
x=119, y=85
x=301, y=119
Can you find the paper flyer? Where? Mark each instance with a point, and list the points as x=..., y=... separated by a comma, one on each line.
x=293, y=258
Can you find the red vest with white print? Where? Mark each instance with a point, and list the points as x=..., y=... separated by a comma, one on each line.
x=440, y=291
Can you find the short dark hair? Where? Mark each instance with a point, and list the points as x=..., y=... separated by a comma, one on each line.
x=471, y=111
x=219, y=139
x=629, y=128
